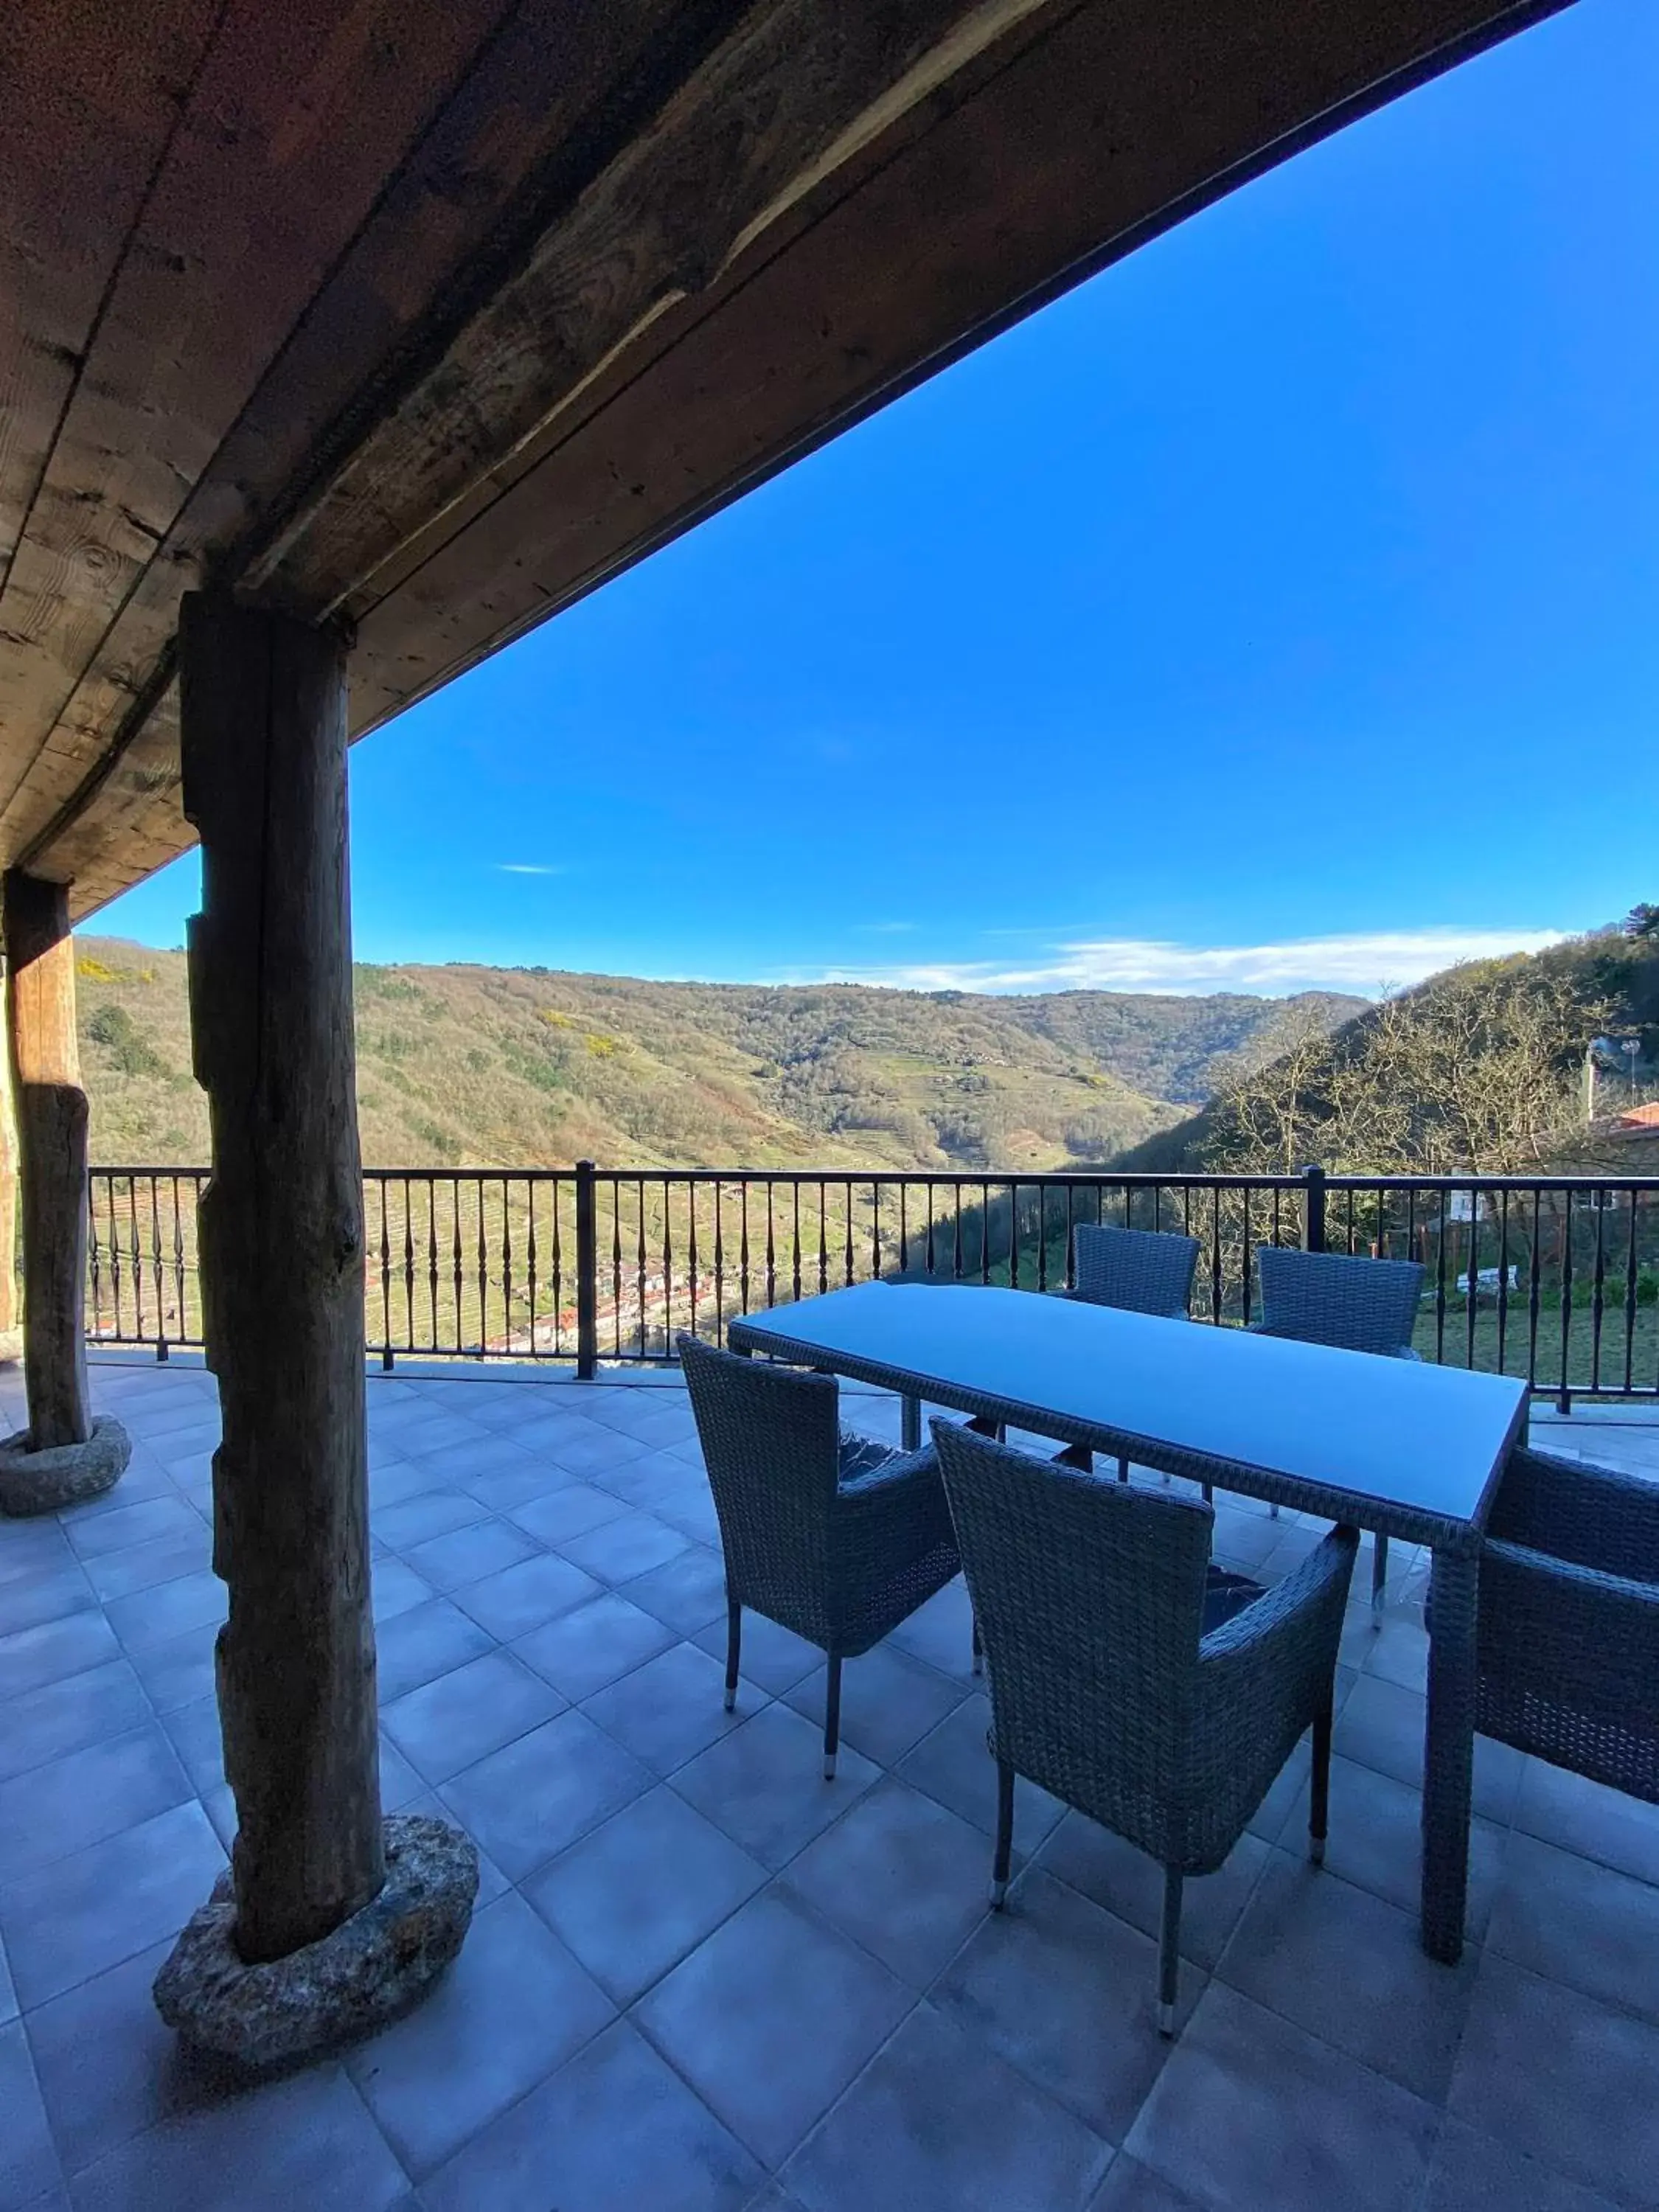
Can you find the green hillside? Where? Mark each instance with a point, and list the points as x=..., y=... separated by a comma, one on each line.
x=465, y=1065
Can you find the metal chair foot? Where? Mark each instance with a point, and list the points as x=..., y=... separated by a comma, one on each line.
x=1166, y=2022
x=1317, y=1851
x=998, y=1895
x=829, y=1768
x=731, y=1701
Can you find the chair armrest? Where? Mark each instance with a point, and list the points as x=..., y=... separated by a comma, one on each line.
x=1596, y=1516
x=1585, y=1638
x=867, y=1465
x=1305, y=1604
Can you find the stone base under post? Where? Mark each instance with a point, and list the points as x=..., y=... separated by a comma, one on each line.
x=371, y=1967
x=64, y=1474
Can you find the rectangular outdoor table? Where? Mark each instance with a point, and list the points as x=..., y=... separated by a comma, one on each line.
x=1406, y=1449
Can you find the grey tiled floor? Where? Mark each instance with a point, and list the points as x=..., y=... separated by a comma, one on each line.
x=701, y=1977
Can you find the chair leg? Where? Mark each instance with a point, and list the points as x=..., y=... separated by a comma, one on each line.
x=733, y=1645
x=1272, y=1511
x=1208, y=1491
x=832, y=1718
x=1318, y=1801
x=1379, y=1571
x=979, y=1648
x=1123, y=1470
x=1169, y=1952
x=1005, y=1850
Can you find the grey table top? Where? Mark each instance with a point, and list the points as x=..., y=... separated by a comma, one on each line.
x=1421, y=1441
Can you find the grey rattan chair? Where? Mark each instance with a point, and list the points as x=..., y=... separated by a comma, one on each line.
x=1137, y=1270
x=1357, y=1305
x=1103, y=1688
x=1568, y=1638
x=830, y=1534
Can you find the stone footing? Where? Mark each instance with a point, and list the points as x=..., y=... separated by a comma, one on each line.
x=370, y=1968
x=40, y=1481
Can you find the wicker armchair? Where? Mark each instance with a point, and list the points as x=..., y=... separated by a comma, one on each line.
x=1104, y=1689
x=1137, y=1270
x=1357, y=1305
x=1568, y=1639
x=829, y=1534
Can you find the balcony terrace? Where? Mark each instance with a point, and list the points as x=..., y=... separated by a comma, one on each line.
x=700, y=1976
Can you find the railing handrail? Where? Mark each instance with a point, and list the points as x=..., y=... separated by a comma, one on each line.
x=995, y=1179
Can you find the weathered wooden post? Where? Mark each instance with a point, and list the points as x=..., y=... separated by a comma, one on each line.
x=11, y=1331
x=64, y=1454
x=331, y=1917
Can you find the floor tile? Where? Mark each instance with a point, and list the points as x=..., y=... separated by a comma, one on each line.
x=900, y=1875
x=417, y=1519
x=586, y=1447
x=92, y=1537
x=563, y=1515
x=48, y=1724
x=1586, y=1817
x=47, y=1593
x=889, y=1701
x=1578, y=1923
x=730, y=2021
x=1473, y=2173
x=773, y=1657
x=155, y=1616
x=599, y=1640
x=953, y=1763
x=504, y=1488
x=687, y=1592
x=527, y=1802
x=764, y=1786
x=439, y=1432
x=8, y=1994
x=1129, y=2186
x=1351, y=1970
x=937, y=2123
x=1380, y=1725
x=305, y=2141
x=65, y=1922
x=397, y=1588
x=1255, y=2113
x=141, y=2074
x=28, y=2163
x=467, y=1555
x=670, y=1709
x=428, y=1640
x=52, y=1650
x=630, y=1545
x=1563, y=2078
x=942, y=1633
x=513, y=2007
x=455, y=1721
x=1376, y=1841
x=1067, y=1994
x=53, y=1811
x=146, y=1566
x=1113, y=1874
x=614, y=2128
x=634, y=1896
x=522, y=1597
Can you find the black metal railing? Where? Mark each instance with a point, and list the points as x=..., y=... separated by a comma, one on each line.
x=1553, y=1277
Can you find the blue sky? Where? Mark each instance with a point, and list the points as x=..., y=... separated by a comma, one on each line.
x=1277, y=609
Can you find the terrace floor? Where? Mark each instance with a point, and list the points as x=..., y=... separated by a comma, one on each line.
x=702, y=1977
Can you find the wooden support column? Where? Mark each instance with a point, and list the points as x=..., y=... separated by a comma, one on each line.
x=11, y=1331
x=263, y=702
x=51, y=1127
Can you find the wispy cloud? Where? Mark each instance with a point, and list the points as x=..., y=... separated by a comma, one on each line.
x=885, y=928
x=527, y=868
x=1367, y=963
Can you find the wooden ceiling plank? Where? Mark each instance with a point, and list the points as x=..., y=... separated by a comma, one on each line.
x=784, y=99
x=283, y=147
x=520, y=107
x=87, y=100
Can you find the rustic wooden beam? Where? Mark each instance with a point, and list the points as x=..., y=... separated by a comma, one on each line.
x=263, y=741
x=52, y=1118
x=11, y=1333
